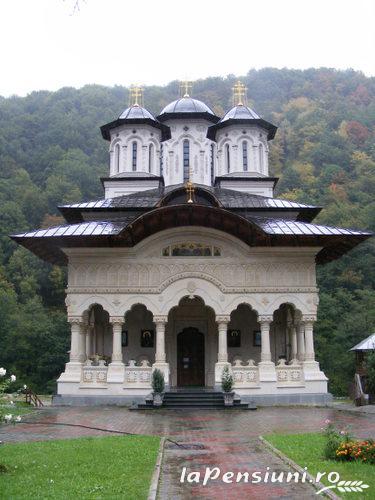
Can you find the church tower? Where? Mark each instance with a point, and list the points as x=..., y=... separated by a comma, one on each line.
x=135, y=147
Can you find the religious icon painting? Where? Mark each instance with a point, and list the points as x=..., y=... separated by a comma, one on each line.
x=234, y=338
x=257, y=339
x=147, y=338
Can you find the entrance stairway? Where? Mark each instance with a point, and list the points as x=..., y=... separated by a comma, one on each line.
x=195, y=399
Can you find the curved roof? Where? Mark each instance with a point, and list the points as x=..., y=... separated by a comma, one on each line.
x=136, y=112
x=135, y=115
x=187, y=107
x=241, y=115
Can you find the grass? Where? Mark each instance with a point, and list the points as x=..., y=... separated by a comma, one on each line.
x=307, y=451
x=108, y=467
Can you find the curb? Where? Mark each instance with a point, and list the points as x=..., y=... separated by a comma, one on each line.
x=298, y=468
x=153, y=491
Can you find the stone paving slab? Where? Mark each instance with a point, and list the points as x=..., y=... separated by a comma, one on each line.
x=230, y=441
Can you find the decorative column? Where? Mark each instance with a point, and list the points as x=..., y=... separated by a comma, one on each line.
x=82, y=342
x=301, y=341
x=160, y=355
x=267, y=372
x=310, y=366
x=222, y=354
x=116, y=369
x=73, y=368
x=293, y=342
x=88, y=341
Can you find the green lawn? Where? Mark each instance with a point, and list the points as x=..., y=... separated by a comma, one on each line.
x=307, y=451
x=108, y=467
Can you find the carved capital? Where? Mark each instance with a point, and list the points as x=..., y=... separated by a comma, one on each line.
x=160, y=319
x=221, y=318
x=75, y=320
x=308, y=318
x=265, y=318
x=116, y=320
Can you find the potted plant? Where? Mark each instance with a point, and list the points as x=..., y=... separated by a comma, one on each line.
x=227, y=384
x=370, y=362
x=158, y=387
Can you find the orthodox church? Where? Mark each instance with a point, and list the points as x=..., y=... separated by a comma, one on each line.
x=189, y=263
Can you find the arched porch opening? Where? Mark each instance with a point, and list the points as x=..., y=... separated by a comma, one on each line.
x=284, y=334
x=98, y=334
x=138, y=339
x=243, y=335
x=191, y=343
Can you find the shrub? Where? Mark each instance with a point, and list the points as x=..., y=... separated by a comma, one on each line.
x=158, y=384
x=226, y=380
x=334, y=439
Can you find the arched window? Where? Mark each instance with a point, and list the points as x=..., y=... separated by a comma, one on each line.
x=117, y=158
x=150, y=157
x=227, y=157
x=261, y=165
x=134, y=156
x=186, y=157
x=244, y=156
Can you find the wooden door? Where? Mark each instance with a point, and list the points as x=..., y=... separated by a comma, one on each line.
x=190, y=358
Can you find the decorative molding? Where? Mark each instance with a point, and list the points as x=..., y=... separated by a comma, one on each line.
x=117, y=320
x=160, y=319
x=308, y=318
x=265, y=318
x=222, y=318
x=76, y=320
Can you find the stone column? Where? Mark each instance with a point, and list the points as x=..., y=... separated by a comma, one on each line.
x=116, y=369
x=310, y=366
x=293, y=342
x=88, y=341
x=222, y=354
x=160, y=355
x=82, y=342
x=267, y=372
x=301, y=342
x=73, y=368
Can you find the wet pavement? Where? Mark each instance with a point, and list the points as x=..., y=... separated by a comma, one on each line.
x=229, y=440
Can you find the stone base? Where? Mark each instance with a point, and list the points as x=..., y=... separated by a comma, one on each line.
x=288, y=399
x=267, y=371
x=92, y=400
x=72, y=373
x=116, y=372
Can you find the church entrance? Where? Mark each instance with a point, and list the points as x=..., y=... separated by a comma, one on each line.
x=190, y=358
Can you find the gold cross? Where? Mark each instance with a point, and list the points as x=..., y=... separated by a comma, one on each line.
x=185, y=88
x=189, y=186
x=135, y=96
x=239, y=94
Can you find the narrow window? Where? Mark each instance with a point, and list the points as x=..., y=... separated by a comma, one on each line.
x=134, y=156
x=261, y=158
x=117, y=158
x=227, y=154
x=186, y=156
x=150, y=157
x=244, y=156
x=212, y=165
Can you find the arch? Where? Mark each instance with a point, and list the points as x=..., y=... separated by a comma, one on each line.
x=197, y=288
x=134, y=155
x=186, y=159
x=296, y=302
x=250, y=301
x=151, y=155
x=94, y=300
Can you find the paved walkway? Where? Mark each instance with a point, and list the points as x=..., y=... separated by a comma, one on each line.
x=229, y=439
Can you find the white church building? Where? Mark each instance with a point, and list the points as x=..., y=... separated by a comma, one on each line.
x=190, y=264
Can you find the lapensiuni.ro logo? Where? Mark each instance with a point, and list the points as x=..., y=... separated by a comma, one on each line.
x=256, y=477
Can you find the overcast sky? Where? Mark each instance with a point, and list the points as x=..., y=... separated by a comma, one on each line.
x=44, y=46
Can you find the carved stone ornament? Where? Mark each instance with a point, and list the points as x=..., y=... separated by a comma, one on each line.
x=160, y=319
x=311, y=318
x=116, y=320
x=265, y=319
x=222, y=319
x=75, y=320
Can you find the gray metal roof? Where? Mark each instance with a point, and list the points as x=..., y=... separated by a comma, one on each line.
x=366, y=345
x=136, y=112
x=240, y=112
x=286, y=227
x=94, y=228
x=228, y=198
x=187, y=105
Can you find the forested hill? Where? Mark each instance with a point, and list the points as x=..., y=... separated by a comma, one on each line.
x=51, y=152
